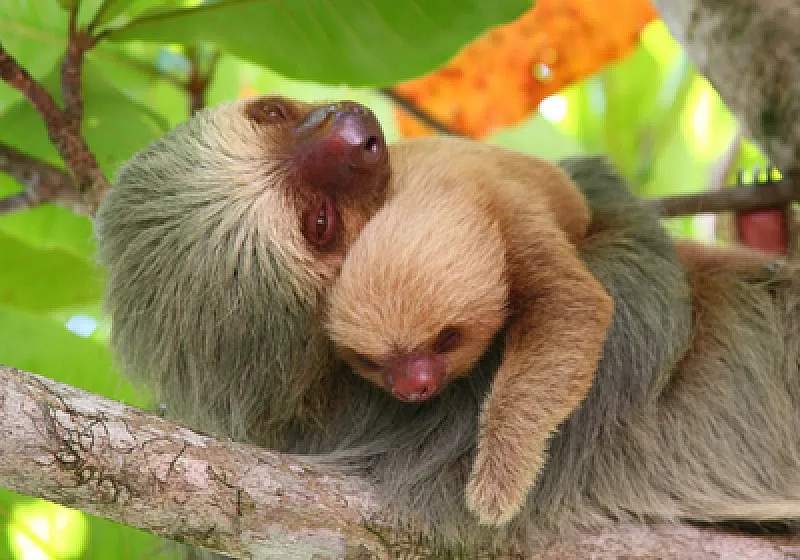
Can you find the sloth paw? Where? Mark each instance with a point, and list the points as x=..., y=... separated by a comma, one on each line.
x=498, y=486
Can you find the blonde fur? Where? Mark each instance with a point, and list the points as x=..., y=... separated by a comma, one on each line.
x=463, y=238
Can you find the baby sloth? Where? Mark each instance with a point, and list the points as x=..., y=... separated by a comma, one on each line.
x=475, y=241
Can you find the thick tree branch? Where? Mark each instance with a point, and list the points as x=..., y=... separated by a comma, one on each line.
x=750, y=51
x=112, y=460
x=70, y=144
x=121, y=463
x=43, y=183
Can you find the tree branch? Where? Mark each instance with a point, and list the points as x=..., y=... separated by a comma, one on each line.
x=80, y=161
x=71, y=88
x=109, y=459
x=112, y=460
x=200, y=75
x=773, y=194
x=43, y=183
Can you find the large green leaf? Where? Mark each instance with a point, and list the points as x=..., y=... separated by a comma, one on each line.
x=50, y=227
x=42, y=279
x=35, y=34
x=116, y=11
x=130, y=67
x=358, y=42
x=39, y=344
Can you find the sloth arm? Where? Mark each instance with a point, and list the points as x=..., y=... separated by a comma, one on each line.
x=559, y=317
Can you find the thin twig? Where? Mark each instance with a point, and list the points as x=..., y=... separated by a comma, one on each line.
x=71, y=89
x=419, y=113
x=199, y=78
x=43, y=183
x=774, y=194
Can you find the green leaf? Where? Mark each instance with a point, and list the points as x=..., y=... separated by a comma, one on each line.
x=537, y=136
x=126, y=10
x=42, y=279
x=116, y=126
x=358, y=42
x=49, y=227
x=38, y=344
x=34, y=33
x=130, y=68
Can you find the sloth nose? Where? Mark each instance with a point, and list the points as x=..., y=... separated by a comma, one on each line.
x=338, y=142
x=416, y=379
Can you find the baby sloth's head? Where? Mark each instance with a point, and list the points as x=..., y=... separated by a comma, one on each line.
x=423, y=290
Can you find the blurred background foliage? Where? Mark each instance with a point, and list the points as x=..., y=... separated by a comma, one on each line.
x=559, y=78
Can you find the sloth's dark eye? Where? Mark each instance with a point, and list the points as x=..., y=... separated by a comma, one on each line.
x=448, y=339
x=267, y=111
x=319, y=226
x=274, y=111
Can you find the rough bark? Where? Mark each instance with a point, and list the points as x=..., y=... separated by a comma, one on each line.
x=109, y=459
x=750, y=52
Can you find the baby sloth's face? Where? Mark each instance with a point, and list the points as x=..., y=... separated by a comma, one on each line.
x=423, y=289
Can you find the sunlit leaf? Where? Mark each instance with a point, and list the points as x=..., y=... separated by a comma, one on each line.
x=43, y=529
x=40, y=279
x=125, y=10
x=131, y=70
x=49, y=227
x=500, y=78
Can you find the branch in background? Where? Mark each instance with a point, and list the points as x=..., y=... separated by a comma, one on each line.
x=43, y=183
x=774, y=194
x=200, y=76
x=108, y=459
x=419, y=113
x=71, y=67
x=80, y=161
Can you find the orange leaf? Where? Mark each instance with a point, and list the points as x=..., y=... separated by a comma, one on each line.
x=498, y=79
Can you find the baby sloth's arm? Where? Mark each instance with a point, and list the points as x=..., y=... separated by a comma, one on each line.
x=555, y=335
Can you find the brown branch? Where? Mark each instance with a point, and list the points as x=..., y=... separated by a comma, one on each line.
x=774, y=194
x=109, y=459
x=199, y=78
x=80, y=161
x=43, y=183
x=71, y=67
